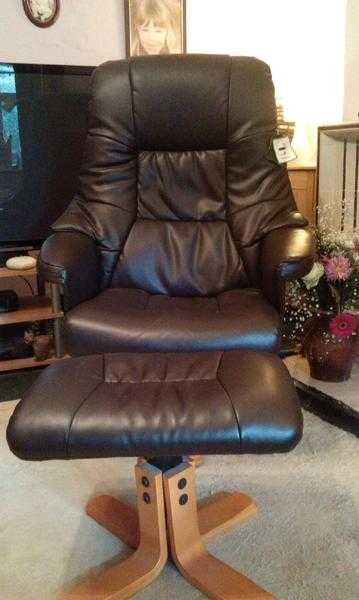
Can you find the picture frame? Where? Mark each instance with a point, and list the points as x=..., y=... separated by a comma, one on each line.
x=42, y=13
x=155, y=27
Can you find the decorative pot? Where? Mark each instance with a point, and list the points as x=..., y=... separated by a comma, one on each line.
x=330, y=357
x=43, y=347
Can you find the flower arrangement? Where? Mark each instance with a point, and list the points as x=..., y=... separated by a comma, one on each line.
x=331, y=288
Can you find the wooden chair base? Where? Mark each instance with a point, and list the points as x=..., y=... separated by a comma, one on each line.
x=181, y=525
x=127, y=577
x=197, y=459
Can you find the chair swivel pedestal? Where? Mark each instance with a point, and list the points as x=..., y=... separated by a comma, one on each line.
x=168, y=521
x=217, y=514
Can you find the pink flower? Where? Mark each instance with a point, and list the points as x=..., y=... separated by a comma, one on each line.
x=343, y=325
x=337, y=267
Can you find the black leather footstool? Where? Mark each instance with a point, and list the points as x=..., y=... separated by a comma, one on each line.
x=161, y=407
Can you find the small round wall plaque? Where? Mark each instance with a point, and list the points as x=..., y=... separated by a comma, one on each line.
x=42, y=13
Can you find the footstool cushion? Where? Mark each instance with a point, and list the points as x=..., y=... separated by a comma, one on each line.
x=159, y=404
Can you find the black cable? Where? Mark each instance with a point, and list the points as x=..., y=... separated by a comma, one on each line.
x=29, y=284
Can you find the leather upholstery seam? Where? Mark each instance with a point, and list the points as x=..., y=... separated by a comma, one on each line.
x=233, y=409
x=226, y=199
x=228, y=213
x=219, y=363
x=219, y=310
x=104, y=249
x=230, y=400
x=51, y=265
x=89, y=201
x=101, y=135
x=255, y=205
x=181, y=220
x=261, y=239
x=143, y=382
x=258, y=133
x=146, y=306
x=67, y=442
x=245, y=246
x=57, y=271
x=190, y=151
x=132, y=104
x=120, y=251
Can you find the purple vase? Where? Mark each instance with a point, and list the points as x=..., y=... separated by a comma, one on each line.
x=330, y=358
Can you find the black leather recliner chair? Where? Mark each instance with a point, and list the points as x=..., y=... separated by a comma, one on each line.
x=184, y=227
x=180, y=239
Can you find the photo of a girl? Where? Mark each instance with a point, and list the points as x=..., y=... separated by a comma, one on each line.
x=155, y=27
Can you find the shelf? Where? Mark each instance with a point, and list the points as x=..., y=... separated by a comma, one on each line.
x=349, y=134
x=303, y=186
x=26, y=363
x=4, y=272
x=301, y=168
x=32, y=308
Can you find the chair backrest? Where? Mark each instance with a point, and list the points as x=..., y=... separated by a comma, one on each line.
x=179, y=182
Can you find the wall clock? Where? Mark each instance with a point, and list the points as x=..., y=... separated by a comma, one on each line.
x=42, y=13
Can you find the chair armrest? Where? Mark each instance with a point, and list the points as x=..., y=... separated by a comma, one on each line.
x=71, y=259
x=286, y=253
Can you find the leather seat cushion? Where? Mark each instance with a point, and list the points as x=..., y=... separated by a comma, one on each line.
x=133, y=320
x=158, y=404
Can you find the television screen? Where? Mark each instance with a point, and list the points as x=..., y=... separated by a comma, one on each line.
x=43, y=122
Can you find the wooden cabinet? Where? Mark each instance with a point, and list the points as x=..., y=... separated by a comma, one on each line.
x=32, y=308
x=302, y=180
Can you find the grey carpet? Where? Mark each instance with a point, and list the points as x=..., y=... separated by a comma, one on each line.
x=304, y=545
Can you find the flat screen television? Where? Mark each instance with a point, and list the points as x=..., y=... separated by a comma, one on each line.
x=43, y=122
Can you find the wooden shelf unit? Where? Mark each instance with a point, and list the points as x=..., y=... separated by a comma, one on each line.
x=4, y=272
x=27, y=363
x=302, y=180
x=342, y=131
x=32, y=308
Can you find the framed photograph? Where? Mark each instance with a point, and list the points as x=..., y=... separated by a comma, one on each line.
x=155, y=27
x=42, y=13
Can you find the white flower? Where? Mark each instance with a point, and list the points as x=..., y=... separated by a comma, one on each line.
x=311, y=280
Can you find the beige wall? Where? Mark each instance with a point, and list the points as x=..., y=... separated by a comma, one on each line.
x=351, y=87
x=308, y=72
x=88, y=32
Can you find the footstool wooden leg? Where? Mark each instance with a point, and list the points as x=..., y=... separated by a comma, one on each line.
x=118, y=517
x=197, y=459
x=224, y=511
x=129, y=576
x=216, y=514
x=213, y=577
